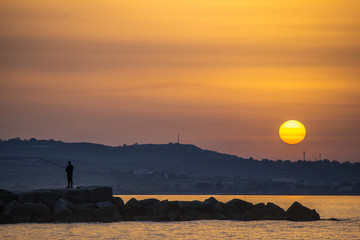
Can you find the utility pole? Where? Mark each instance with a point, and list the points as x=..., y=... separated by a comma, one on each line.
x=178, y=139
x=304, y=156
x=320, y=156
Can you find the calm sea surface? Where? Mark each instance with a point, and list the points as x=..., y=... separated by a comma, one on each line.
x=344, y=208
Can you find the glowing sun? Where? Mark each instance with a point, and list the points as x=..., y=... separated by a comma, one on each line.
x=292, y=132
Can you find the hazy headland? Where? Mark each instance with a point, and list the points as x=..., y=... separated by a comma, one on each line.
x=167, y=169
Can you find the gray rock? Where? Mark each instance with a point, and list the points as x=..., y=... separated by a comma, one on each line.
x=86, y=205
x=87, y=214
x=188, y=214
x=108, y=212
x=163, y=211
x=63, y=211
x=40, y=213
x=269, y=211
x=211, y=203
x=147, y=202
x=132, y=209
x=132, y=202
x=190, y=204
x=67, y=203
x=118, y=202
x=196, y=210
x=214, y=208
x=86, y=194
x=16, y=212
x=298, y=212
x=100, y=194
x=47, y=197
x=77, y=195
x=273, y=212
x=239, y=210
x=135, y=210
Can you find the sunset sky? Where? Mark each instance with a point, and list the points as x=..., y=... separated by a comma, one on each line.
x=223, y=74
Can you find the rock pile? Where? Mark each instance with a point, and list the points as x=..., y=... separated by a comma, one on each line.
x=97, y=204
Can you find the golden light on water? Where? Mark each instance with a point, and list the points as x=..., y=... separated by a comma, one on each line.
x=292, y=132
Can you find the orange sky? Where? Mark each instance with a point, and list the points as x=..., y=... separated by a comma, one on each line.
x=223, y=74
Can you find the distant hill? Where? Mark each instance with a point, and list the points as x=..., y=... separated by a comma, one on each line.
x=37, y=163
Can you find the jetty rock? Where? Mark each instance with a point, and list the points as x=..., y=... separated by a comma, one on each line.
x=298, y=212
x=97, y=204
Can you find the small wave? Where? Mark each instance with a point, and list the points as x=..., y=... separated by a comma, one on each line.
x=334, y=219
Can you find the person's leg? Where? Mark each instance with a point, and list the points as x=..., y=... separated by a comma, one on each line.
x=69, y=180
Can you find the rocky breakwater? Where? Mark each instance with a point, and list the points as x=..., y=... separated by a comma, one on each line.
x=97, y=204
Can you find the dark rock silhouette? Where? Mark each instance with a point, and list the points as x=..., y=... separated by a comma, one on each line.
x=135, y=210
x=108, y=212
x=118, y=202
x=270, y=211
x=238, y=209
x=96, y=204
x=162, y=211
x=17, y=212
x=46, y=196
x=85, y=214
x=64, y=211
x=298, y=212
x=40, y=213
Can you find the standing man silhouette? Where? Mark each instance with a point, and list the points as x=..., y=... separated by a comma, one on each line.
x=69, y=169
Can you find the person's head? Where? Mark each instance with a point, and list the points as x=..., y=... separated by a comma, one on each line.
x=69, y=162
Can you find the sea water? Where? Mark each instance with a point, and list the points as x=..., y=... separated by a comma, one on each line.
x=345, y=208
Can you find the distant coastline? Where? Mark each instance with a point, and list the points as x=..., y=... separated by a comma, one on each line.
x=168, y=169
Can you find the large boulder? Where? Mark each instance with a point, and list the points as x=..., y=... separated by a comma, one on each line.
x=270, y=211
x=100, y=194
x=237, y=209
x=87, y=212
x=86, y=194
x=86, y=205
x=214, y=208
x=15, y=212
x=108, y=212
x=211, y=203
x=118, y=202
x=64, y=211
x=40, y=213
x=135, y=210
x=77, y=195
x=190, y=204
x=192, y=210
x=47, y=197
x=189, y=214
x=298, y=212
x=163, y=211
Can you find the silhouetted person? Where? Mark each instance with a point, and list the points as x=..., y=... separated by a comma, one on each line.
x=69, y=170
